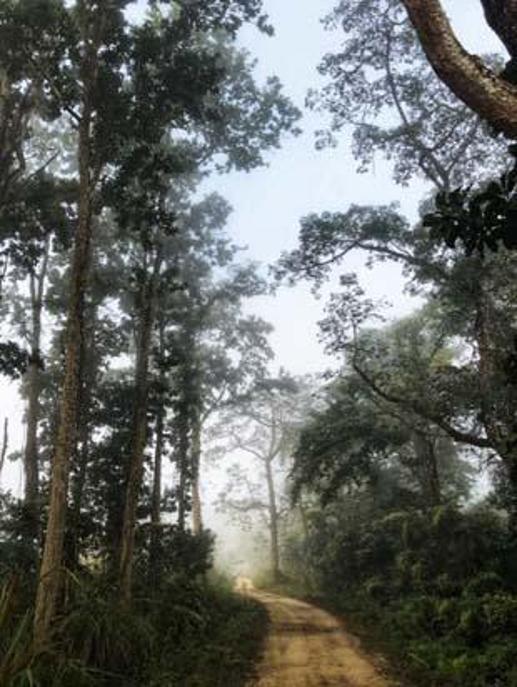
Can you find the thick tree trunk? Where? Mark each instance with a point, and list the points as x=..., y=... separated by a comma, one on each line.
x=491, y=96
x=49, y=584
x=197, y=507
x=139, y=432
x=31, y=495
x=273, y=520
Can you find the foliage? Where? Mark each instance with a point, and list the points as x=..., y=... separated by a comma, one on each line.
x=481, y=219
x=435, y=590
x=190, y=631
x=385, y=88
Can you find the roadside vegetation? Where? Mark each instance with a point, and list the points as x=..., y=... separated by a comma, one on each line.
x=386, y=488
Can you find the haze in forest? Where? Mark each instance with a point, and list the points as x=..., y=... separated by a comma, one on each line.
x=268, y=203
x=258, y=356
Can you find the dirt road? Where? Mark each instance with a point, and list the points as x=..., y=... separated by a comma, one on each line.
x=309, y=648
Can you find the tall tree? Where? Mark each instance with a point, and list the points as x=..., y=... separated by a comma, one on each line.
x=263, y=427
x=93, y=26
x=396, y=104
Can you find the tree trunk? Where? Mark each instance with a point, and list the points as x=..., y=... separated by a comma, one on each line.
x=157, y=470
x=31, y=496
x=427, y=468
x=197, y=512
x=87, y=374
x=49, y=583
x=304, y=521
x=273, y=521
x=139, y=432
x=493, y=98
x=511, y=473
x=5, y=444
x=183, y=446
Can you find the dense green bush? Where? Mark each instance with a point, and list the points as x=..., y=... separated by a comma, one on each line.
x=434, y=587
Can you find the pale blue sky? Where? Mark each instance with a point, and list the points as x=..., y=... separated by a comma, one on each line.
x=269, y=202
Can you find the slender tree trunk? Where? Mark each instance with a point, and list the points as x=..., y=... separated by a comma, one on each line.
x=5, y=444
x=88, y=371
x=306, y=571
x=156, y=498
x=31, y=496
x=273, y=520
x=183, y=446
x=49, y=583
x=511, y=473
x=157, y=469
x=197, y=507
x=304, y=521
x=139, y=433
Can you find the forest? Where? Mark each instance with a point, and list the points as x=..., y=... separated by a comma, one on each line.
x=223, y=469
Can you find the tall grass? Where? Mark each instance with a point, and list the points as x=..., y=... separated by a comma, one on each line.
x=189, y=633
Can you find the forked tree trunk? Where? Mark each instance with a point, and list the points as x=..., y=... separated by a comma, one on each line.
x=33, y=379
x=50, y=575
x=139, y=432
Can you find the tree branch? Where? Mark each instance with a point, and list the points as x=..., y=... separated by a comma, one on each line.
x=456, y=434
x=493, y=98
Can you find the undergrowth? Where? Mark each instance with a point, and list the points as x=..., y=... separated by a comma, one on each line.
x=436, y=593
x=190, y=633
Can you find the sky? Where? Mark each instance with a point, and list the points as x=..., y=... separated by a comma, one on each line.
x=269, y=202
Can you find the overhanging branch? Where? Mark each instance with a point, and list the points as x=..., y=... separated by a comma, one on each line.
x=493, y=98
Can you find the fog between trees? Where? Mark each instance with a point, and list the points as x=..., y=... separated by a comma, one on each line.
x=384, y=487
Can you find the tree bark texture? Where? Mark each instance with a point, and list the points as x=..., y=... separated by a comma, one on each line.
x=49, y=583
x=197, y=506
x=492, y=97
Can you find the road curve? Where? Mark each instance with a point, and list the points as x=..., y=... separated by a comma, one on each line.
x=308, y=647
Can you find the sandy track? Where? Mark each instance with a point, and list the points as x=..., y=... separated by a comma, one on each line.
x=308, y=647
